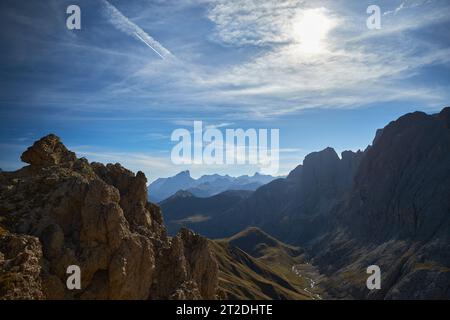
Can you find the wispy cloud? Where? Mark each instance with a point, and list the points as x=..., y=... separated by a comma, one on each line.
x=152, y=166
x=264, y=73
x=406, y=4
x=219, y=125
x=350, y=72
x=254, y=22
x=206, y=124
x=156, y=136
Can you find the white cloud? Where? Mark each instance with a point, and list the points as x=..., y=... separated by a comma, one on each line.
x=406, y=4
x=254, y=22
x=354, y=68
x=350, y=73
x=183, y=122
x=219, y=125
x=152, y=166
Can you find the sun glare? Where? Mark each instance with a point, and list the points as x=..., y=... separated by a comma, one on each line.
x=310, y=30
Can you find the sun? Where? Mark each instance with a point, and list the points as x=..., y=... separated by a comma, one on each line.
x=310, y=29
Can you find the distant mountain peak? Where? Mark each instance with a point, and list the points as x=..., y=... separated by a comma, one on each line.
x=321, y=162
x=205, y=186
x=183, y=173
x=326, y=154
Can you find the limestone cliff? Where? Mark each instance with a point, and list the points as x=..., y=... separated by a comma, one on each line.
x=60, y=211
x=397, y=216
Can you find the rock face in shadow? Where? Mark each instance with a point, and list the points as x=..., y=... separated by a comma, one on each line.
x=61, y=211
x=397, y=215
x=387, y=206
x=184, y=209
x=295, y=209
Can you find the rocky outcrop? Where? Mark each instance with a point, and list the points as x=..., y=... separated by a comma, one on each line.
x=47, y=152
x=323, y=181
x=397, y=215
x=61, y=211
x=194, y=267
x=20, y=267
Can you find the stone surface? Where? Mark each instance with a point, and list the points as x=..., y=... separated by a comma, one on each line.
x=397, y=215
x=62, y=211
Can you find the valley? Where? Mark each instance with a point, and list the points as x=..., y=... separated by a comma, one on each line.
x=387, y=205
x=254, y=265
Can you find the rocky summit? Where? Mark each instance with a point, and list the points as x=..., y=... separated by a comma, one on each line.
x=61, y=210
x=396, y=216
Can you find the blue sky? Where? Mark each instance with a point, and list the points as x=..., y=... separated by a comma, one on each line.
x=309, y=68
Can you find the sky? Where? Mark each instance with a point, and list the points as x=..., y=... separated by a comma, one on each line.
x=116, y=89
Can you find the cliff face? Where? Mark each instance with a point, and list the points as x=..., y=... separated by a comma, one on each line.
x=319, y=185
x=296, y=209
x=62, y=211
x=396, y=216
x=402, y=187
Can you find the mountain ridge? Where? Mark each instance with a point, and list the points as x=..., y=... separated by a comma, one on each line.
x=397, y=215
x=290, y=208
x=325, y=223
x=205, y=186
x=388, y=205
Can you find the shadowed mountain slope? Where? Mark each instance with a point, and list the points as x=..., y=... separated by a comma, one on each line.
x=254, y=265
x=183, y=209
x=294, y=209
x=388, y=205
x=258, y=244
x=397, y=215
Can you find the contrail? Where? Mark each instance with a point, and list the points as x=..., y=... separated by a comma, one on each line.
x=125, y=25
x=137, y=35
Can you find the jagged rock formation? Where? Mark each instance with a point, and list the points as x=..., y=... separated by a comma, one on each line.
x=294, y=209
x=61, y=211
x=388, y=206
x=397, y=215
